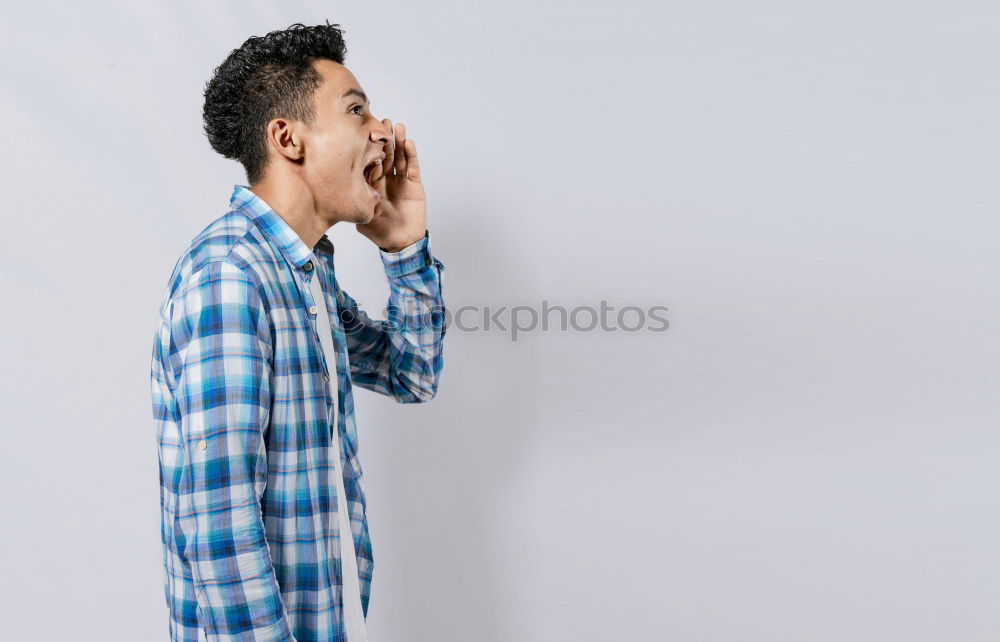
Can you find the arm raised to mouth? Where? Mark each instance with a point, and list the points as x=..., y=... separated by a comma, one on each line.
x=400, y=356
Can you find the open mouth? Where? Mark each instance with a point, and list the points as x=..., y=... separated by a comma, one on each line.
x=371, y=173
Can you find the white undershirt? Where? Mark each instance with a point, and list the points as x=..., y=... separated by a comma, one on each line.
x=354, y=619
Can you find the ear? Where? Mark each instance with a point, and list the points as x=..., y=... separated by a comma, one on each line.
x=284, y=137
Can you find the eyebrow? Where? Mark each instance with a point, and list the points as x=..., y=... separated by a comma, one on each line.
x=357, y=92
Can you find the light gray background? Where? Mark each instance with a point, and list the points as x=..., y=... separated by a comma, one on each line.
x=809, y=453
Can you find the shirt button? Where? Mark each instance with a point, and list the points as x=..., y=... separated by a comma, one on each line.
x=313, y=309
x=308, y=266
x=203, y=444
x=326, y=377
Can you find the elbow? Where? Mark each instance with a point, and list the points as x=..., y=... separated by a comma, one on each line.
x=418, y=383
x=420, y=391
x=416, y=395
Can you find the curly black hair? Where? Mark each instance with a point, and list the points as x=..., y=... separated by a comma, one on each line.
x=267, y=77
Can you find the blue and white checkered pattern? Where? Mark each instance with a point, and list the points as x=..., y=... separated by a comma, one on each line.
x=240, y=398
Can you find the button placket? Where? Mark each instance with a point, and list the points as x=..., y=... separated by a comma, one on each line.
x=314, y=312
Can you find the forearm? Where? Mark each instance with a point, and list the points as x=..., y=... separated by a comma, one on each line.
x=236, y=587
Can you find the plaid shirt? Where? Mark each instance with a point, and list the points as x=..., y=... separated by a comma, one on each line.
x=239, y=391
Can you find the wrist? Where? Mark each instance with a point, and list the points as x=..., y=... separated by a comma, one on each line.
x=392, y=249
x=408, y=260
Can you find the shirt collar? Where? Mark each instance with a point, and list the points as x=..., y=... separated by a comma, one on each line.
x=277, y=231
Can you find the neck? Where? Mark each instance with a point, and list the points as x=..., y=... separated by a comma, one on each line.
x=294, y=202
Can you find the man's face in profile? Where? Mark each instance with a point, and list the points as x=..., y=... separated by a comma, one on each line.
x=342, y=139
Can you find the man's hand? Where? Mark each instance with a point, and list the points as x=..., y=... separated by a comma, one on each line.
x=401, y=212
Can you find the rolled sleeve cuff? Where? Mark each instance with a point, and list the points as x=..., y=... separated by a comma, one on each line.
x=410, y=259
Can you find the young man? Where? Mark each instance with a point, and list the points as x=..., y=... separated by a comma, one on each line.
x=257, y=347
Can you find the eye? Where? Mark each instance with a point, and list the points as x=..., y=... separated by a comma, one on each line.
x=357, y=107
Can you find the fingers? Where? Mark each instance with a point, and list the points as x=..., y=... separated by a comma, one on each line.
x=399, y=159
x=412, y=165
x=400, y=153
x=387, y=147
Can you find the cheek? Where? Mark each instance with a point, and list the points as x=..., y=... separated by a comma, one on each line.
x=338, y=164
x=333, y=158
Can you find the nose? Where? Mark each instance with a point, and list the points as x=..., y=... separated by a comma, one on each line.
x=380, y=132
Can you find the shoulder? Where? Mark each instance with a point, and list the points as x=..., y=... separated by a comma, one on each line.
x=230, y=248
x=215, y=287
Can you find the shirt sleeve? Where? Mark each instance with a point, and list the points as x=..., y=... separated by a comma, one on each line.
x=223, y=394
x=400, y=356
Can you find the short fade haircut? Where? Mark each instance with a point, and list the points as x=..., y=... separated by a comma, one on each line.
x=267, y=77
